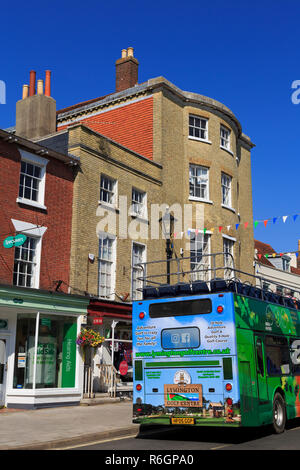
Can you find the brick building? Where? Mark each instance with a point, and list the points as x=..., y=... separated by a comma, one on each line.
x=38, y=318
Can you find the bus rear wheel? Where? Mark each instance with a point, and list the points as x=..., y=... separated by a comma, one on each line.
x=279, y=414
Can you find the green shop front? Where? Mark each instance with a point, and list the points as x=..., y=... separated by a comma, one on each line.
x=40, y=363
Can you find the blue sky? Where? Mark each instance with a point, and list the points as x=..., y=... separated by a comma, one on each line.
x=242, y=53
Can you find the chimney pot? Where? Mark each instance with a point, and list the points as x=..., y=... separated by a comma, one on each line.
x=32, y=75
x=48, y=83
x=130, y=52
x=124, y=53
x=40, y=87
x=25, y=91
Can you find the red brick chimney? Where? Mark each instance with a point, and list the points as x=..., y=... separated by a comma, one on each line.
x=126, y=70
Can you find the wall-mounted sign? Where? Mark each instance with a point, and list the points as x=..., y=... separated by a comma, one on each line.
x=17, y=240
x=97, y=321
x=3, y=324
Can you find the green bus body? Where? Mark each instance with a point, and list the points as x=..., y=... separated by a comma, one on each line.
x=266, y=334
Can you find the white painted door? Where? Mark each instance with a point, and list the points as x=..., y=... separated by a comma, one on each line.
x=3, y=361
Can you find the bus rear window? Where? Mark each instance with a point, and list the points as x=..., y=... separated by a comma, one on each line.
x=180, y=308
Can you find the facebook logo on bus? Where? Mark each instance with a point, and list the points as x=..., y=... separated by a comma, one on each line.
x=2, y=92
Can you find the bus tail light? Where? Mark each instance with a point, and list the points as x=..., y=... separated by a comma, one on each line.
x=142, y=315
x=138, y=387
x=228, y=387
x=220, y=309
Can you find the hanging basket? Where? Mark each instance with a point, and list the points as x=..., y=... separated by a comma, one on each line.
x=89, y=337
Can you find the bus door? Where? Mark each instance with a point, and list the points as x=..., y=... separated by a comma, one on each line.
x=261, y=371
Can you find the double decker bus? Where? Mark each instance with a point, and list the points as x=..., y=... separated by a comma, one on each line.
x=220, y=352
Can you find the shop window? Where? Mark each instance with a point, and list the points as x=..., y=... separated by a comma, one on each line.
x=45, y=358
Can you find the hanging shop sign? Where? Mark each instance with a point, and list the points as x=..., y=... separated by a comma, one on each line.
x=17, y=240
x=97, y=321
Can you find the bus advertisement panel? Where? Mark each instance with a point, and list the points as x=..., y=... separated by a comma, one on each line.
x=185, y=361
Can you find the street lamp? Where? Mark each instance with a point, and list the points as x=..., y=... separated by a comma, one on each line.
x=167, y=225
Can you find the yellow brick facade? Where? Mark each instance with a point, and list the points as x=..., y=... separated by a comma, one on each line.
x=164, y=180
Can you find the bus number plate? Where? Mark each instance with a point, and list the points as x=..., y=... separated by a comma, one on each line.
x=183, y=421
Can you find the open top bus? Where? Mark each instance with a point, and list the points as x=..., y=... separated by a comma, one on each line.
x=214, y=351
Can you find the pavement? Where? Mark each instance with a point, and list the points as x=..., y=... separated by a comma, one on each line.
x=62, y=427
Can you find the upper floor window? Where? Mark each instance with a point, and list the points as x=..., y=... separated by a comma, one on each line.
x=106, y=267
x=198, y=127
x=225, y=138
x=200, y=261
x=25, y=263
x=138, y=256
x=32, y=180
x=226, y=189
x=139, y=206
x=108, y=190
x=285, y=264
x=228, y=245
x=199, y=182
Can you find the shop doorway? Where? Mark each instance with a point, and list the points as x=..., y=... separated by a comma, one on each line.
x=3, y=361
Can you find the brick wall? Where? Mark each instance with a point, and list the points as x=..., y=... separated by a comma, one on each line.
x=55, y=256
x=130, y=125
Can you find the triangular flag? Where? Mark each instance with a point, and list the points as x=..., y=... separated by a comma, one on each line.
x=267, y=256
x=295, y=217
x=246, y=224
x=237, y=226
x=228, y=227
x=284, y=218
x=297, y=254
x=204, y=230
x=196, y=231
x=188, y=232
x=175, y=235
x=274, y=219
x=265, y=222
x=212, y=229
x=220, y=228
x=256, y=223
x=259, y=255
x=274, y=254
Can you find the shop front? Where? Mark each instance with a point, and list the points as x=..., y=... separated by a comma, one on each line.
x=40, y=363
x=111, y=363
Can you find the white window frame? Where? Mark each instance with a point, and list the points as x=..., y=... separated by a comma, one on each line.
x=32, y=231
x=195, y=180
x=112, y=262
x=203, y=239
x=226, y=182
x=230, y=241
x=113, y=191
x=35, y=160
x=225, y=138
x=135, y=294
x=193, y=128
x=142, y=213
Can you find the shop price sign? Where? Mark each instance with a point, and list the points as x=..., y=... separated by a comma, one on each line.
x=17, y=240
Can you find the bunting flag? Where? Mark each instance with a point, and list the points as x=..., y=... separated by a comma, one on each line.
x=220, y=229
x=246, y=224
x=274, y=220
x=265, y=222
x=236, y=226
x=295, y=217
x=284, y=218
x=256, y=223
